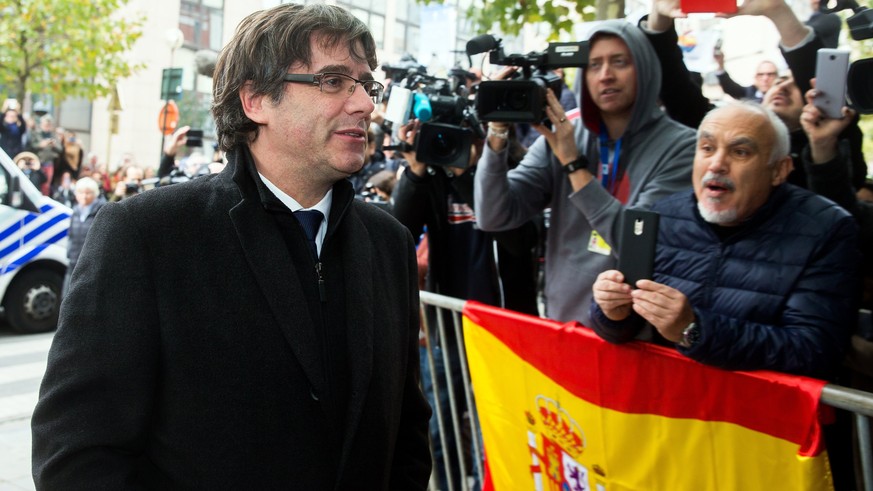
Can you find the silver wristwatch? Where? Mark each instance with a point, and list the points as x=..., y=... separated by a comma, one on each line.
x=689, y=336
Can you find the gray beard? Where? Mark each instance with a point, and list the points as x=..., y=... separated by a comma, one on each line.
x=717, y=217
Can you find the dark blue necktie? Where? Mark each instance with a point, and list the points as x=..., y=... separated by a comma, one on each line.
x=310, y=220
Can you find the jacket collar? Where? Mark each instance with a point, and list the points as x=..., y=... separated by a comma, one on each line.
x=245, y=174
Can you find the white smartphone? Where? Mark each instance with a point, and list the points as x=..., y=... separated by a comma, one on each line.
x=831, y=68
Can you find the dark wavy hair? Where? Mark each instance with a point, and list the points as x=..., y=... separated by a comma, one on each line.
x=266, y=43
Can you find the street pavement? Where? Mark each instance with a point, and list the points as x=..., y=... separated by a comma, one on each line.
x=22, y=364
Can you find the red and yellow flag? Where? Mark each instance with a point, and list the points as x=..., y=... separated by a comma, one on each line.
x=563, y=410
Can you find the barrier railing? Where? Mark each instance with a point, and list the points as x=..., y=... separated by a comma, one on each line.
x=460, y=466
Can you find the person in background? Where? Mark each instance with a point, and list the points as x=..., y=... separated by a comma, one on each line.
x=463, y=262
x=168, y=158
x=755, y=308
x=13, y=128
x=129, y=185
x=798, y=44
x=375, y=160
x=382, y=184
x=65, y=192
x=30, y=165
x=88, y=203
x=724, y=291
x=74, y=154
x=765, y=74
x=49, y=147
x=622, y=152
x=283, y=352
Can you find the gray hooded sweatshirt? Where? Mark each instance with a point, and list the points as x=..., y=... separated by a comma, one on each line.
x=655, y=161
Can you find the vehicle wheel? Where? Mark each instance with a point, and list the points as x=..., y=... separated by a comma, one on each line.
x=33, y=301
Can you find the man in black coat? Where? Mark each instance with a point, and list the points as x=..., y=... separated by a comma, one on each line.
x=206, y=342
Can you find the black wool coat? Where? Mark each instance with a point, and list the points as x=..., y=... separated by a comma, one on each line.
x=190, y=352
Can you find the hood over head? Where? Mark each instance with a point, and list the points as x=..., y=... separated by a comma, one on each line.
x=648, y=72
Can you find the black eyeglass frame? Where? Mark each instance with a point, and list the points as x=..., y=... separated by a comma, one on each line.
x=315, y=79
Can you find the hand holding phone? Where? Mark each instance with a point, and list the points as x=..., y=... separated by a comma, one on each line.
x=831, y=68
x=638, y=236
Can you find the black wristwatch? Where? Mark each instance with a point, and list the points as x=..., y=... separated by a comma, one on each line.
x=690, y=336
x=580, y=163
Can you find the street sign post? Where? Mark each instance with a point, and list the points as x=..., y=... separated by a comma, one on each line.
x=171, y=84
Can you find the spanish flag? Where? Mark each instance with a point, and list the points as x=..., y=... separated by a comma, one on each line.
x=563, y=410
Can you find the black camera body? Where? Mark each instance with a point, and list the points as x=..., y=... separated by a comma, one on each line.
x=523, y=99
x=444, y=145
x=449, y=120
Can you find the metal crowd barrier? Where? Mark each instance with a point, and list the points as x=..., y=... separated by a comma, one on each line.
x=855, y=401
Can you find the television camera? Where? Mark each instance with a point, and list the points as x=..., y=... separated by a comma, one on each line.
x=449, y=121
x=523, y=99
x=859, y=82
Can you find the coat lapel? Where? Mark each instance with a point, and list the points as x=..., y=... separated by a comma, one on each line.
x=359, y=294
x=267, y=255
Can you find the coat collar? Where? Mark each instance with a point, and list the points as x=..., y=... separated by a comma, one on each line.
x=346, y=241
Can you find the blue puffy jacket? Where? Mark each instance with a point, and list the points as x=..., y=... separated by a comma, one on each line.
x=779, y=292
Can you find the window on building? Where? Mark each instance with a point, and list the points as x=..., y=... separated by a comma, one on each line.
x=201, y=23
x=377, y=27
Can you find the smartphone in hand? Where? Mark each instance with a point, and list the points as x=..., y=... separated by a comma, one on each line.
x=831, y=68
x=638, y=236
x=195, y=138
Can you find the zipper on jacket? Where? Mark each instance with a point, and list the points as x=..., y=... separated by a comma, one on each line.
x=320, y=273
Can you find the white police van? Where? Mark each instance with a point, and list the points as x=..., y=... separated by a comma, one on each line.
x=33, y=251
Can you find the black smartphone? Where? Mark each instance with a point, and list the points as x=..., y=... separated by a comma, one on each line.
x=195, y=138
x=637, y=239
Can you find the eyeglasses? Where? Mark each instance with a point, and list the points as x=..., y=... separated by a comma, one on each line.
x=765, y=74
x=338, y=83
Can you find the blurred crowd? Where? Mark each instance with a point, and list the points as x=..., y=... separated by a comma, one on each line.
x=54, y=159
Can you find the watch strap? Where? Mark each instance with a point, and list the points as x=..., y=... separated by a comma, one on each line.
x=580, y=163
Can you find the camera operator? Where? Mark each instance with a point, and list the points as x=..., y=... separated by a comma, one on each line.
x=130, y=186
x=623, y=151
x=29, y=163
x=461, y=264
x=375, y=160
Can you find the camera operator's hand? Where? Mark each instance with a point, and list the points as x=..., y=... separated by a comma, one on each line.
x=561, y=137
x=407, y=135
x=823, y=132
x=562, y=140
x=498, y=132
x=176, y=141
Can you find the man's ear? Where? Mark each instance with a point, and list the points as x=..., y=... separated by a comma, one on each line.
x=781, y=169
x=253, y=104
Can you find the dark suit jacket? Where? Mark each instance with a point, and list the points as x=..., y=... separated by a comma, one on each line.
x=188, y=356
